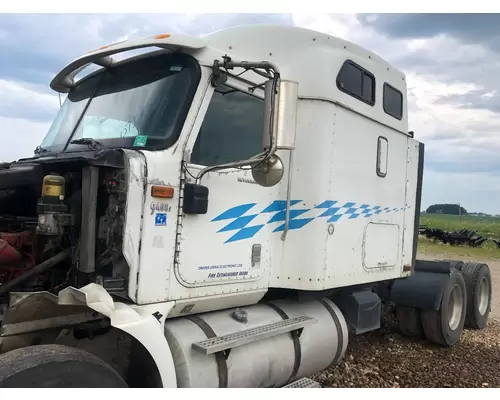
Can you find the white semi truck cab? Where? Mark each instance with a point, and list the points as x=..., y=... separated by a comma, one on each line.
x=221, y=211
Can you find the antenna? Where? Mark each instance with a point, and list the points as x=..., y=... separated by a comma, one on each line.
x=60, y=104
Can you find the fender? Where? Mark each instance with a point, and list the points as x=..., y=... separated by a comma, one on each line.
x=72, y=306
x=423, y=289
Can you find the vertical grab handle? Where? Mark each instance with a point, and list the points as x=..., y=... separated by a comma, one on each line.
x=382, y=156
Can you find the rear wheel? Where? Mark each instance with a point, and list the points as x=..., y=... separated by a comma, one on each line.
x=409, y=321
x=478, y=282
x=456, y=264
x=56, y=366
x=445, y=325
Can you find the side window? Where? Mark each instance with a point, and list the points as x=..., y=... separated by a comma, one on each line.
x=357, y=82
x=393, y=101
x=231, y=130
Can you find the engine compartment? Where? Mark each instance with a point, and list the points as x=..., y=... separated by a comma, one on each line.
x=49, y=207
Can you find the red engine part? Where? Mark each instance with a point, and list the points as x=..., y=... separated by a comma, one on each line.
x=19, y=239
x=10, y=260
x=8, y=254
x=16, y=254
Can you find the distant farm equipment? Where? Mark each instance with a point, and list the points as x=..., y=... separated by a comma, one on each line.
x=464, y=237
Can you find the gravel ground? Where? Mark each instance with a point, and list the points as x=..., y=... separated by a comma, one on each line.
x=385, y=358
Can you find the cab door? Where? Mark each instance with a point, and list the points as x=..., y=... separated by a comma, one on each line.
x=230, y=242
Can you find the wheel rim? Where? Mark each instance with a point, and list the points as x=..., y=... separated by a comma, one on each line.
x=484, y=295
x=455, y=306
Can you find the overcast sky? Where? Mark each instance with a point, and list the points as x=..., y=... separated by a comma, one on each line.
x=451, y=63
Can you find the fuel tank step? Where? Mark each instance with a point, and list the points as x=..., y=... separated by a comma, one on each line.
x=304, y=383
x=226, y=342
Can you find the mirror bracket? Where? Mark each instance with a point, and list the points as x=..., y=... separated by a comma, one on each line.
x=218, y=77
x=280, y=118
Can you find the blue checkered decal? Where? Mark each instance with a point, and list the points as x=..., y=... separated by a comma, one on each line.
x=241, y=216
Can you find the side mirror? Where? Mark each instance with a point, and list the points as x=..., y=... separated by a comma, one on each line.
x=279, y=131
x=284, y=120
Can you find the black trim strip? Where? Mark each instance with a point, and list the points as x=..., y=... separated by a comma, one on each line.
x=340, y=334
x=219, y=357
x=296, y=344
x=418, y=201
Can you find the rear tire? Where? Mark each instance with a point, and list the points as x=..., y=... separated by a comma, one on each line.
x=56, y=366
x=456, y=264
x=409, y=320
x=478, y=282
x=445, y=326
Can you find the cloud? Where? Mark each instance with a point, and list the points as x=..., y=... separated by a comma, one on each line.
x=477, y=99
x=26, y=111
x=20, y=137
x=21, y=100
x=468, y=28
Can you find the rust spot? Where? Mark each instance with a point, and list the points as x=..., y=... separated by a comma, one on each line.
x=407, y=268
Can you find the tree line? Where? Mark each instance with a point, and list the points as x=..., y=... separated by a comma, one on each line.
x=449, y=209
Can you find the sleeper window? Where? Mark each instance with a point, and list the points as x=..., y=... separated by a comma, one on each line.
x=393, y=102
x=357, y=82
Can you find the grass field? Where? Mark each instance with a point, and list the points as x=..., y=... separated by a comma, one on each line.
x=485, y=226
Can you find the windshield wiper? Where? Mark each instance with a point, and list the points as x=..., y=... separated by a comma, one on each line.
x=91, y=143
x=80, y=118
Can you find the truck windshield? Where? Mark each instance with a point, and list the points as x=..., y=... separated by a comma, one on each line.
x=138, y=103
